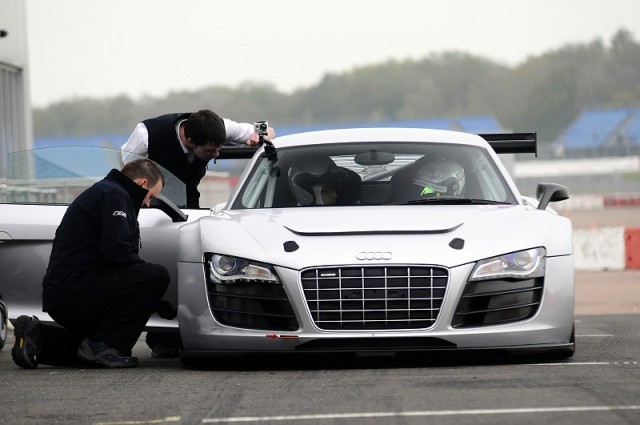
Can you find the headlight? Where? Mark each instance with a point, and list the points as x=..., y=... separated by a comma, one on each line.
x=228, y=269
x=525, y=264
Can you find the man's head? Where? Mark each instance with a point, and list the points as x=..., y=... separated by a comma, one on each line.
x=439, y=177
x=205, y=134
x=146, y=174
x=317, y=186
x=325, y=193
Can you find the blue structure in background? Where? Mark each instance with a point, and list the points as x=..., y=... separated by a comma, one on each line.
x=473, y=124
x=631, y=131
x=104, y=141
x=601, y=128
x=592, y=129
x=62, y=162
x=54, y=163
x=48, y=169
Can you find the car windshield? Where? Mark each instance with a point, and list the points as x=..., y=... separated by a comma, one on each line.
x=390, y=173
x=57, y=175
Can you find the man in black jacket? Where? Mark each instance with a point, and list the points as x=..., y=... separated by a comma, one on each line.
x=184, y=143
x=96, y=286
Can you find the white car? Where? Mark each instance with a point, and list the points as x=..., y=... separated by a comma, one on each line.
x=427, y=246
x=362, y=240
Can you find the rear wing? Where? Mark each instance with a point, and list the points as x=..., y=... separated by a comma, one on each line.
x=513, y=142
x=499, y=142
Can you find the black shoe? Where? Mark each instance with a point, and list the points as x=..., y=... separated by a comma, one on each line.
x=28, y=342
x=101, y=353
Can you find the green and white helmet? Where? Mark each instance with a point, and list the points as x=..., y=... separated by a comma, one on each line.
x=439, y=177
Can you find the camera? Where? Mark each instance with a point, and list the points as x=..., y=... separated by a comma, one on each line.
x=261, y=127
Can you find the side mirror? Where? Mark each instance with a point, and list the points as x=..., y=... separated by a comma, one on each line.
x=550, y=192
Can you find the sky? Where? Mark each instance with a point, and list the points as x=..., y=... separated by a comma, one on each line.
x=83, y=48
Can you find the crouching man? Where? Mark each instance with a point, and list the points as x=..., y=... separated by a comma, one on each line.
x=96, y=287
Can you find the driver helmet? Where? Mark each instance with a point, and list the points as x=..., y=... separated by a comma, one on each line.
x=308, y=183
x=439, y=177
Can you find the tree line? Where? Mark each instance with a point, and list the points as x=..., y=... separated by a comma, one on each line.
x=544, y=94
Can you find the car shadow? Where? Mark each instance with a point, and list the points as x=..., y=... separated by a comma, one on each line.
x=339, y=361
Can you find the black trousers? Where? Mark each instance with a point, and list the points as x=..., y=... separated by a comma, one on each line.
x=114, y=308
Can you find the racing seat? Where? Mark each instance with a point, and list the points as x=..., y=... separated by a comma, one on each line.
x=400, y=182
x=350, y=190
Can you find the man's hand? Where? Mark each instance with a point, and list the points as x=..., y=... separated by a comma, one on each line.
x=254, y=139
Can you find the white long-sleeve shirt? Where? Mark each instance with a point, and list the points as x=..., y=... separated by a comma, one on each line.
x=138, y=142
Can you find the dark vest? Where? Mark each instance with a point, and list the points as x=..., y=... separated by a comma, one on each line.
x=164, y=148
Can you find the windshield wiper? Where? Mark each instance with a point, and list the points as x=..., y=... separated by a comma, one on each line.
x=452, y=200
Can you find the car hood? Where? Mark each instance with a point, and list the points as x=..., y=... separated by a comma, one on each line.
x=443, y=235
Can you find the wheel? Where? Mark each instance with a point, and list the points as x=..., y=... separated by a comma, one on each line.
x=195, y=363
x=4, y=323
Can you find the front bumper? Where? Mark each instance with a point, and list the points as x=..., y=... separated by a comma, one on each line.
x=549, y=329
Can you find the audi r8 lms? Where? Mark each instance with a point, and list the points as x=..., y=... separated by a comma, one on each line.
x=354, y=240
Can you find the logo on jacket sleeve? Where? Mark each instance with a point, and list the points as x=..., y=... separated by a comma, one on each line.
x=120, y=213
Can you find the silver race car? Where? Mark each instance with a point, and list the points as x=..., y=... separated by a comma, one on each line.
x=355, y=240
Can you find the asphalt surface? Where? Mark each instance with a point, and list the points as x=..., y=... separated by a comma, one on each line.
x=599, y=385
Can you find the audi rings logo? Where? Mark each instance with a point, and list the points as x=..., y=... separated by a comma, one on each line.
x=374, y=255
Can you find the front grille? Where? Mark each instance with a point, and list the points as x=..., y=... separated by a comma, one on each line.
x=374, y=298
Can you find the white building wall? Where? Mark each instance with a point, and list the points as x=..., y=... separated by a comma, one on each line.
x=15, y=108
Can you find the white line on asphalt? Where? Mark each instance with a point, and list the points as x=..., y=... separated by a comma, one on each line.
x=419, y=413
x=572, y=364
x=585, y=363
x=594, y=336
x=143, y=422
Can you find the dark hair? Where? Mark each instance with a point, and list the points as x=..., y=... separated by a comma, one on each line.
x=143, y=169
x=205, y=127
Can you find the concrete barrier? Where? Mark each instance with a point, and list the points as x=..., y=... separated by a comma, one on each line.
x=606, y=248
x=632, y=248
x=598, y=201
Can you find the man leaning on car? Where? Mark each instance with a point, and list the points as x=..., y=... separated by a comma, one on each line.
x=184, y=143
x=96, y=287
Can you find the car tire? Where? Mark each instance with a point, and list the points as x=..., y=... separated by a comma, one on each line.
x=4, y=323
x=194, y=363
